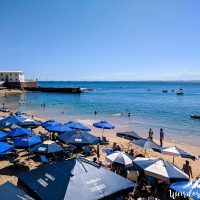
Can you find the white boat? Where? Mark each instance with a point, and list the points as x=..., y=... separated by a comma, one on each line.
x=180, y=92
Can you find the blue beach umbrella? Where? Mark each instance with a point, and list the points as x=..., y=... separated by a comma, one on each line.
x=5, y=148
x=103, y=125
x=49, y=123
x=47, y=147
x=77, y=125
x=27, y=141
x=9, y=191
x=3, y=135
x=13, y=119
x=59, y=128
x=188, y=188
x=17, y=132
x=79, y=178
x=78, y=138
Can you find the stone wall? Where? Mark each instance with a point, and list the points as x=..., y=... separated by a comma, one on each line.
x=21, y=85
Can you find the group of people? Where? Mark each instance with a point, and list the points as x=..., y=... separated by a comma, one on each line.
x=161, y=136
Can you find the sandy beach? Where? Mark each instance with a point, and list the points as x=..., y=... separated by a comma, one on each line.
x=9, y=173
x=5, y=92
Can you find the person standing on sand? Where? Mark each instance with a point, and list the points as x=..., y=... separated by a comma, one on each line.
x=161, y=137
x=187, y=169
x=150, y=134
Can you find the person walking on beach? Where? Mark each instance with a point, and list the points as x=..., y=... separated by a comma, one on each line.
x=161, y=137
x=150, y=134
x=187, y=169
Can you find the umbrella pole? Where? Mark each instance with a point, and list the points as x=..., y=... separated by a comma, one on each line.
x=173, y=159
x=145, y=152
x=129, y=145
x=102, y=133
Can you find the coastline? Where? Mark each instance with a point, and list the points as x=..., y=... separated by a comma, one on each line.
x=8, y=173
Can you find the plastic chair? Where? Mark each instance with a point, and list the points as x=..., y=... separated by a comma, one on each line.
x=44, y=159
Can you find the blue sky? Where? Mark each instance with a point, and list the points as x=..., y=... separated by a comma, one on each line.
x=101, y=39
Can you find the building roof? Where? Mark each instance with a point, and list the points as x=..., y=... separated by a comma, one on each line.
x=12, y=72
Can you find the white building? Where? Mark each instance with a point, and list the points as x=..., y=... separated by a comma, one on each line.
x=12, y=76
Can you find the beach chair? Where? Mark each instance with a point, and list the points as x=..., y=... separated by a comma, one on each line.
x=44, y=159
x=16, y=163
x=105, y=140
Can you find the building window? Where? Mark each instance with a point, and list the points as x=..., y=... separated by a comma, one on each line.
x=1, y=74
x=15, y=74
x=10, y=79
x=16, y=79
x=2, y=79
x=10, y=74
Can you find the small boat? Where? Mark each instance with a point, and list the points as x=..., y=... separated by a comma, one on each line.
x=180, y=92
x=165, y=91
x=195, y=116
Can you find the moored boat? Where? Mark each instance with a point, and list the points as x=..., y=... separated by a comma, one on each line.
x=180, y=92
x=195, y=116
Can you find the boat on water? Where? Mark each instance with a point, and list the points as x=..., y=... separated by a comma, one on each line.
x=165, y=91
x=195, y=116
x=180, y=92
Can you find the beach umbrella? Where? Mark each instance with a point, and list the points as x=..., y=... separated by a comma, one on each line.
x=3, y=135
x=20, y=112
x=47, y=147
x=30, y=124
x=161, y=169
x=17, y=132
x=129, y=135
x=9, y=191
x=175, y=151
x=120, y=158
x=5, y=148
x=78, y=138
x=75, y=178
x=13, y=119
x=77, y=125
x=13, y=126
x=103, y=125
x=188, y=188
x=27, y=141
x=147, y=144
x=59, y=128
x=49, y=123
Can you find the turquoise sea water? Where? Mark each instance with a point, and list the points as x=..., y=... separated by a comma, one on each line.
x=151, y=109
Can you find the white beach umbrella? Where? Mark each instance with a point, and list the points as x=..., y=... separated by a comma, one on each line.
x=120, y=158
x=175, y=151
x=160, y=169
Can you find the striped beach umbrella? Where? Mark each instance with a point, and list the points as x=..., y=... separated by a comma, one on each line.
x=175, y=151
x=161, y=169
x=120, y=158
x=147, y=144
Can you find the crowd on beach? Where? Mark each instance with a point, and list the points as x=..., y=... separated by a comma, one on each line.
x=147, y=187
